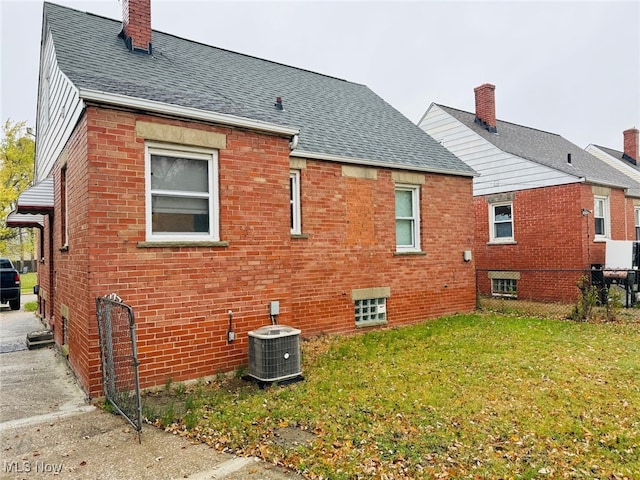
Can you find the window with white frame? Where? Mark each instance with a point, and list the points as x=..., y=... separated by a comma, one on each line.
x=64, y=206
x=636, y=214
x=182, y=193
x=504, y=287
x=294, y=201
x=501, y=222
x=601, y=216
x=371, y=310
x=407, y=218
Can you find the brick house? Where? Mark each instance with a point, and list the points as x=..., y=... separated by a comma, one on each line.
x=193, y=181
x=625, y=161
x=544, y=207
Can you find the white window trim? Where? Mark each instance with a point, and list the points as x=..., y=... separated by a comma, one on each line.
x=180, y=151
x=296, y=221
x=492, y=221
x=415, y=199
x=636, y=216
x=607, y=217
x=65, y=172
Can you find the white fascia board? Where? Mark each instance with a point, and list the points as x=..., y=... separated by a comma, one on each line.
x=377, y=163
x=185, y=112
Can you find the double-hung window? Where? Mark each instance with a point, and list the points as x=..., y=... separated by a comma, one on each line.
x=501, y=222
x=407, y=218
x=182, y=193
x=294, y=201
x=601, y=217
x=636, y=214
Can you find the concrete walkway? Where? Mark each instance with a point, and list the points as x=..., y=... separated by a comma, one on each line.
x=47, y=426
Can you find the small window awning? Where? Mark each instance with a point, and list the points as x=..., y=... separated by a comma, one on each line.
x=33, y=204
x=25, y=220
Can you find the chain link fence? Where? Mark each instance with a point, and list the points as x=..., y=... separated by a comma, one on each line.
x=120, y=381
x=594, y=294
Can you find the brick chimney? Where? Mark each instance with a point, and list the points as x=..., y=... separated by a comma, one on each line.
x=486, y=106
x=136, y=25
x=631, y=144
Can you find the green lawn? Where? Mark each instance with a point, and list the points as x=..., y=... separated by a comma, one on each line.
x=27, y=281
x=473, y=396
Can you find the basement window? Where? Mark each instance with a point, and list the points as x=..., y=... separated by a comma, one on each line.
x=504, y=287
x=182, y=193
x=371, y=311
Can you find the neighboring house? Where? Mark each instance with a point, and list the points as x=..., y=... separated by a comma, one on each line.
x=627, y=163
x=193, y=181
x=543, y=206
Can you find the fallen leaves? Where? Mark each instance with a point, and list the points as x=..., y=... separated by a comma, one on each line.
x=463, y=397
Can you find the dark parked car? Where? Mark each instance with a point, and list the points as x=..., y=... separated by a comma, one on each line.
x=9, y=284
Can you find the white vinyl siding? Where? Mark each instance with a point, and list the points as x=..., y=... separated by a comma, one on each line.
x=181, y=193
x=499, y=171
x=616, y=163
x=59, y=108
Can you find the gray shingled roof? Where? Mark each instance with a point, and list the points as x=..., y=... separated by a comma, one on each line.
x=335, y=117
x=632, y=192
x=547, y=149
x=618, y=155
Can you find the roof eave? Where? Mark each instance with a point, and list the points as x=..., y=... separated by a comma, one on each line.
x=604, y=184
x=378, y=163
x=184, y=112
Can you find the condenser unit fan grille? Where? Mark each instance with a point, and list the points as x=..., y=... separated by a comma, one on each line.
x=274, y=353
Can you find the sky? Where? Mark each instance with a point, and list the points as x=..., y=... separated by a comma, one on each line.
x=571, y=67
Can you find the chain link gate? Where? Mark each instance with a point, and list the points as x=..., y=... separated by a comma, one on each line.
x=117, y=331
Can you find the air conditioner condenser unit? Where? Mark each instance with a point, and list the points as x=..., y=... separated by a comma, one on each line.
x=274, y=353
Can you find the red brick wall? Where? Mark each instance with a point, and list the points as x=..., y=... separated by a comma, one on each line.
x=70, y=279
x=181, y=295
x=329, y=264
x=551, y=235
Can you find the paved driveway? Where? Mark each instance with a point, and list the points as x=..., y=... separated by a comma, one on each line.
x=48, y=427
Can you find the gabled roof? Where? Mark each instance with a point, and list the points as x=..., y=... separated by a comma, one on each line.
x=545, y=148
x=621, y=163
x=336, y=119
x=619, y=156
